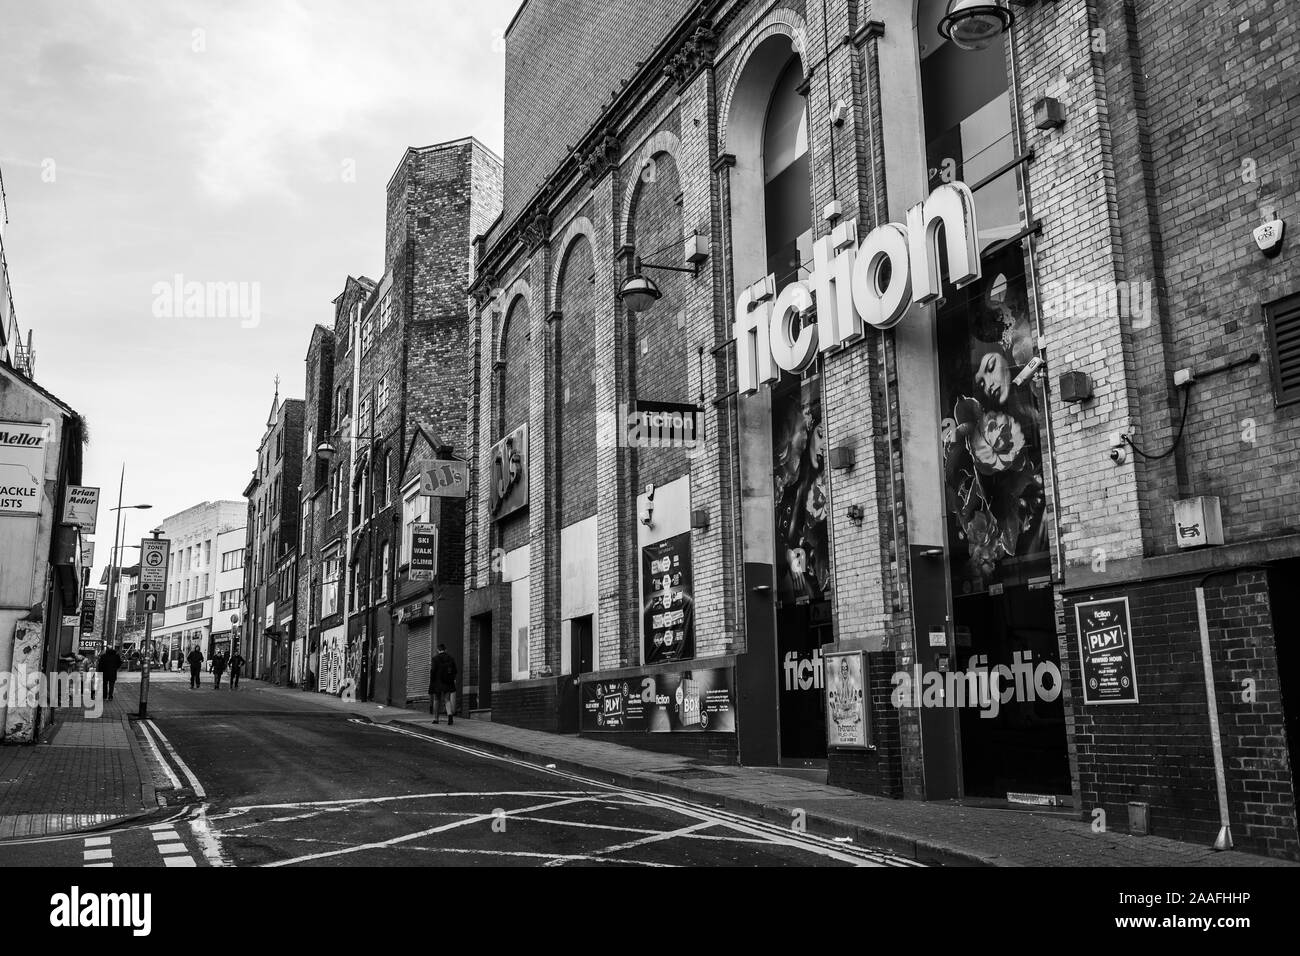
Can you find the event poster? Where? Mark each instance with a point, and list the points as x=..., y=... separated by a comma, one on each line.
x=993, y=460
x=668, y=619
x=1106, y=652
x=847, y=702
x=685, y=701
x=800, y=492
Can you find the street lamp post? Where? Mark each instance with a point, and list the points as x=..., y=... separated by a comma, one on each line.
x=114, y=564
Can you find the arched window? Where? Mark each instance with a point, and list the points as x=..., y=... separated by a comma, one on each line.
x=577, y=399
x=787, y=192
x=514, y=380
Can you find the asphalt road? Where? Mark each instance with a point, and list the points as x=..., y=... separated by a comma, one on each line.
x=268, y=780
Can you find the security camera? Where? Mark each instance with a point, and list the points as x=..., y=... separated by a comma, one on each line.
x=1026, y=373
x=1119, y=454
x=1269, y=237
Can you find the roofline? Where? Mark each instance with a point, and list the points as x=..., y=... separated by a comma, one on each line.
x=511, y=25
x=443, y=145
x=43, y=392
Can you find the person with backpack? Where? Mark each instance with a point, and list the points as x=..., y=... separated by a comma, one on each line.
x=442, y=683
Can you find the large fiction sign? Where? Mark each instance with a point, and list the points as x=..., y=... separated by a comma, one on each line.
x=852, y=288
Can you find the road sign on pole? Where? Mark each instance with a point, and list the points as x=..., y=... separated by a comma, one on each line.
x=154, y=553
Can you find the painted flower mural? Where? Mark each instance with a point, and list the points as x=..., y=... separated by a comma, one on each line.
x=992, y=456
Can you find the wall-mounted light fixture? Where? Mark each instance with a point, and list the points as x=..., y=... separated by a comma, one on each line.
x=700, y=519
x=842, y=457
x=325, y=452
x=639, y=292
x=856, y=513
x=974, y=24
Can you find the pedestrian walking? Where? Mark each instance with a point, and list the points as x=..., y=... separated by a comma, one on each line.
x=218, y=668
x=195, y=660
x=442, y=684
x=109, y=663
x=236, y=665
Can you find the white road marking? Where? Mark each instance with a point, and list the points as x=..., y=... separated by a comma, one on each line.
x=184, y=768
x=166, y=848
x=98, y=841
x=179, y=861
x=656, y=838
x=354, y=801
x=97, y=855
x=769, y=832
x=385, y=844
x=88, y=865
x=168, y=834
x=171, y=777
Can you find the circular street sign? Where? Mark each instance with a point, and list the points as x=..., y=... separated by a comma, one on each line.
x=153, y=559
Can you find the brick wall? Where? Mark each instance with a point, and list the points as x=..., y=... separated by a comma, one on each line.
x=570, y=55
x=1159, y=751
x=576, y=421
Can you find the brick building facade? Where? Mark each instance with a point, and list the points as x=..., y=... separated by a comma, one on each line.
x=387, y=389
x=269, y=628
x=946, y=466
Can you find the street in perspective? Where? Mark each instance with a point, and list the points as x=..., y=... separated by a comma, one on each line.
x=746, y=434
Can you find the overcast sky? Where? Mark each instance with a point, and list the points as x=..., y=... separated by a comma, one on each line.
x=244, y=141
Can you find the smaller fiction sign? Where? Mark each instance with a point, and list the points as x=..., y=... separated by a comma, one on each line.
x=1106, y=652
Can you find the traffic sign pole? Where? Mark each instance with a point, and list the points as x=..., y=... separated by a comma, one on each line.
x=144, y=663
x=153, y=585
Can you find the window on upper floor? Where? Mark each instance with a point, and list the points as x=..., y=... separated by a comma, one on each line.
x=386, y=309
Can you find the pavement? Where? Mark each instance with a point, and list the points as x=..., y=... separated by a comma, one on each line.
x=85, y=772
x=246, y=777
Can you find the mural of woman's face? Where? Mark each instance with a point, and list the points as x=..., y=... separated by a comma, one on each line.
x=993, y=378
x=817, y=445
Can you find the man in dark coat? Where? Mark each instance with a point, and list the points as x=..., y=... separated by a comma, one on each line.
x=195, y=660
x=109, y=663
x=218, y=668
x=442, y=683
x=236, y=665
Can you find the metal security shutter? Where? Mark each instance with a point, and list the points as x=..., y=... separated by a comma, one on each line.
x=419, y=658
x=1284, y=338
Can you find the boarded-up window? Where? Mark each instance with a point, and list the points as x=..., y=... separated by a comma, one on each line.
x=1284, y=338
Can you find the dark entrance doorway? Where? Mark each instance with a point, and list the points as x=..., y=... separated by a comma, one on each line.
x=580, y=662
x=1016, y=743
x=1284, y=602
x=482, y=625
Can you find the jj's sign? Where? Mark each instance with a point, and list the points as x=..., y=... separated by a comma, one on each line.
x=851, y=288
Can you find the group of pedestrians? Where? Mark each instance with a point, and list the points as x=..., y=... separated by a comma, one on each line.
x=221, y=661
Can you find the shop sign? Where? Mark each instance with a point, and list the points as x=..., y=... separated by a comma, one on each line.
x=660, y=425
x=1106, y=652
x=424, y=552
x=81, y=507
x=444, y=478
x=668, y=618
x=508, y=477
x=22, y=467
x=848, y=711
x=846, y=282
x=685, y=701
x=194, y=611
x=88, y=612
